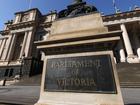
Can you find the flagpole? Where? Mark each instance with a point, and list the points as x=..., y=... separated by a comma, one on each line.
x=115, y=7
x=30, y=3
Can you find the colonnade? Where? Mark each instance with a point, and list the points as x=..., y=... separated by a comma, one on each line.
x=7, y=46
x=131, y=57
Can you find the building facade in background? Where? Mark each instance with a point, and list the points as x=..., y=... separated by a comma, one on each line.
x=19, y=55
x=128, y=49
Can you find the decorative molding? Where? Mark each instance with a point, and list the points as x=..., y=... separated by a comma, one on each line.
x=25, y=17
x=120, y=21
x=124, y=17
x=21, y=25
x=22, y=30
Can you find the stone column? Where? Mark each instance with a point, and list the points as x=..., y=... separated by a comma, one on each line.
x=121, y=52
x=2, y=47
x=4, y=50
x=31, y=17
x=126, y=41
x=24, y=44
x=137, y=43
x=17, y=18
x=7, y=47
x=11, y=47
x=130, y=55
x=138, y=52
x=28, y=46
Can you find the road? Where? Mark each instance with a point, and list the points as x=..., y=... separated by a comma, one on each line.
x=28, y=95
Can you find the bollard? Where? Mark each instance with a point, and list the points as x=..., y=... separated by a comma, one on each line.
x=4, y=82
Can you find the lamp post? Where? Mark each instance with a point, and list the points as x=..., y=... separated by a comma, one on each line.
x=21, y=60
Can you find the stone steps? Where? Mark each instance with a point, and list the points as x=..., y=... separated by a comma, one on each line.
x=129, y=74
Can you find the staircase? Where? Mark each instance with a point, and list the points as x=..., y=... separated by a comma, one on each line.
x=129, y=74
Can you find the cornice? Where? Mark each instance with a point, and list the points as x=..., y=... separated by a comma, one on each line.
x=45, y=24
x=21, y=25
x=121, y=15
x=4, y=32
x=21, y=12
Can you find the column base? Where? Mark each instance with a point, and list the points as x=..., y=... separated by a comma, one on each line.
x=115, y=60
x=138, y=52
x=133, y=59
x=123, y=60
x=4, y=63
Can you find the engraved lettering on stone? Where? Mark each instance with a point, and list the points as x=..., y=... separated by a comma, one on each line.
x=76, y=64
x=76, y=82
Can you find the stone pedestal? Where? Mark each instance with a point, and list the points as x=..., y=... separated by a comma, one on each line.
x=55, y=93
x=77, y=27
x=69, y=49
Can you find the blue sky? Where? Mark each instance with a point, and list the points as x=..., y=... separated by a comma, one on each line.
x=9, y=7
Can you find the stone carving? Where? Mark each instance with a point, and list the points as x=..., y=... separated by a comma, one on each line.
x=79, y=7
x=25, y=17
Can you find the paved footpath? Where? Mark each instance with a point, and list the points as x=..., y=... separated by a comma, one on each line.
x=28, y=95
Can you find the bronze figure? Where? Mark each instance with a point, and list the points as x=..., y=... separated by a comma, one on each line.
x=77, y=1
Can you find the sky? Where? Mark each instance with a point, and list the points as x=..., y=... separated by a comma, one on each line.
x=9, y=7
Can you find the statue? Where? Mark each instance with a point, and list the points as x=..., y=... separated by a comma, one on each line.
x=77, y=8
x=77, y=1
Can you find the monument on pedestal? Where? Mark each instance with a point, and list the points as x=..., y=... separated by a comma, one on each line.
x=79, y=67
